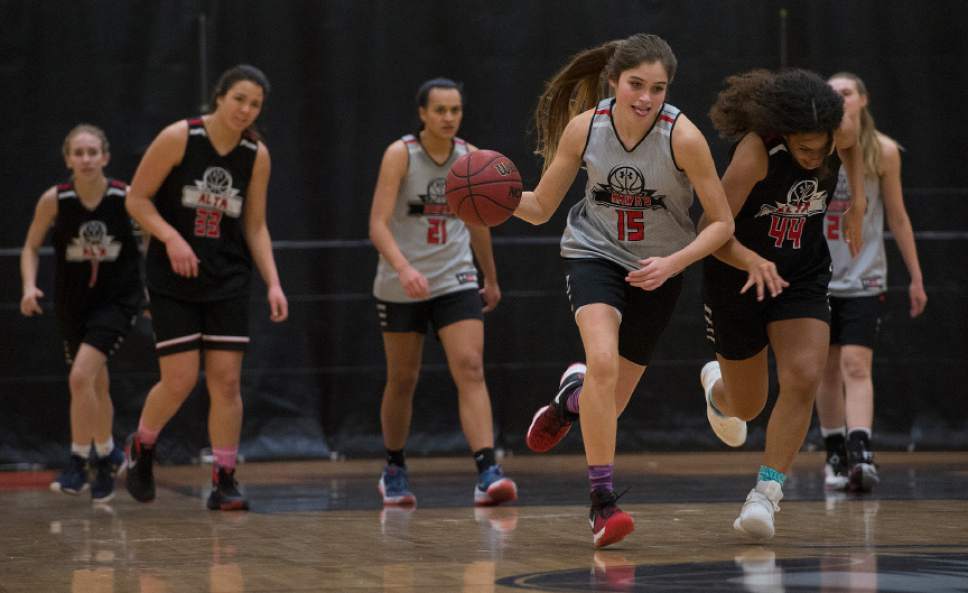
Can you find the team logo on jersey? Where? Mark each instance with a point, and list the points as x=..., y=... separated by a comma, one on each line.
x=93, y=243
x=214, y=192
x=432, y=203
x=625, y=188
x=467, y=277
x=804, y=199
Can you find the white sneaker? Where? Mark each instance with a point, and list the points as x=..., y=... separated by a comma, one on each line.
x=729, y=429
x=756, y=516
x=834, y=474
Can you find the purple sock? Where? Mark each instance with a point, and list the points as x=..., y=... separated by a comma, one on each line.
x=571, y=404
x=600, y=477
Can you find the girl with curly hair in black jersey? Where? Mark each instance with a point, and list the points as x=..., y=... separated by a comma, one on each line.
x=768, y=285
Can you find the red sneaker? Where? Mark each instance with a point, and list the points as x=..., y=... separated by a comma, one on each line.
x=552, y=422
x=609, y=523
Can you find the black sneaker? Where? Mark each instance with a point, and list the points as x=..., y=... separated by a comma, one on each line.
x=140, y=460
x=73, y=480
x=862, y=475
x=225, y=494
x=106, y=471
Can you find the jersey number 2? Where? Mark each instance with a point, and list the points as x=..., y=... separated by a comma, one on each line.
x=207, y=223
x=631, y=227
x=436, y=231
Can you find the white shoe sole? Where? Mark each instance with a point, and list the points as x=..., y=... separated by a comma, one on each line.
x=757, y=524
x=730, y=430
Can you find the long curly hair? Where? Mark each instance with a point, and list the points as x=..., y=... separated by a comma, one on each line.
x=776, y=103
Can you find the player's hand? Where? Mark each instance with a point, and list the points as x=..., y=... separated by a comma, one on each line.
x=491, y=295
x=653, y=273
x=764, y=276
x=919, y=298
x=183, y=260
x=29, y=305
x=853, y=222
x=414, y=283
x=278, y=304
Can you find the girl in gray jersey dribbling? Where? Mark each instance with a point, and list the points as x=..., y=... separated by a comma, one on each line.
x=625, y=244
x=845, y=399
x=426, y=276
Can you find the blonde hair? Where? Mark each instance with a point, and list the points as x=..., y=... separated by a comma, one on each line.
x=89, y=129
x=583, y=82
x=870, y=146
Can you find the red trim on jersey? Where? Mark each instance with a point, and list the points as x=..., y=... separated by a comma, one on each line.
x=605, y=111
x=64, y=186
x=665, y=117
x=117, y=184
x=195, y=121
x=410, y=141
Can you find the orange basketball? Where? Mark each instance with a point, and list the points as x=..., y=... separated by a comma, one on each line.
x=483, y=188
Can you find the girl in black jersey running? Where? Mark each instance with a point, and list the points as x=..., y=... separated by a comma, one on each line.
x=768, y=285
x=97, y=296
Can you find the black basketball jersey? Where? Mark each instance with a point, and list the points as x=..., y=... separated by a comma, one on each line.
x=203, y=198
x=96, y=250
x=782, y=219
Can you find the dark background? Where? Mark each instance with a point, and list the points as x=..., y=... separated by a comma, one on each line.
x=344, y=73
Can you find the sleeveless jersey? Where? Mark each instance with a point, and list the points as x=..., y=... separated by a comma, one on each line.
x=782, y=219
x=203, y=198
x=865, y=275
x=636, y=202
x=434, y=241
x=96, y=251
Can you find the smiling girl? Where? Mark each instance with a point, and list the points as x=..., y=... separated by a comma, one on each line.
x=626, y=242
x=208, y=177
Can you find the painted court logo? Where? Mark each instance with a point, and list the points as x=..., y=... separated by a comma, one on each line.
x=804, y=199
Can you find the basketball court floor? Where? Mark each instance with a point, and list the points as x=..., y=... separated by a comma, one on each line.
x=319, y=526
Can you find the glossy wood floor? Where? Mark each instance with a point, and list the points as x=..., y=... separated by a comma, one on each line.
x=319, y=526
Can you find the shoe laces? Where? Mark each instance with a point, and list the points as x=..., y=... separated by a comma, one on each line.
x=606, y=504
x=489, y=476
x=395, y=478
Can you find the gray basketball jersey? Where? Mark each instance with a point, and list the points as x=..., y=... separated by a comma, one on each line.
x=432, y=239
x=637, y=201
x=867, y=274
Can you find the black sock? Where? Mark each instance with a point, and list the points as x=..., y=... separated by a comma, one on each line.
x=396, y=458
x=484, y=458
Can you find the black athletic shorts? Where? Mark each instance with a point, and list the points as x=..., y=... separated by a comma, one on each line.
x=645, y=313
x=180, y=326
x=855, y=321
x=438, y=312
x=103, y=328
x=736, y=323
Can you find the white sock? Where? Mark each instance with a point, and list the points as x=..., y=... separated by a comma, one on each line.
x=104, y=449
x=826, y=432
x=82, y=451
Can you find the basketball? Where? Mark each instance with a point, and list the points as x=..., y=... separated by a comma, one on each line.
x=483, y=188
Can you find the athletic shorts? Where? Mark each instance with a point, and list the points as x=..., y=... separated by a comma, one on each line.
x=736, y=323
x=438, y=312
x=180, y=326
x=645, y=313
x=104, y=329
x=855, y=321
